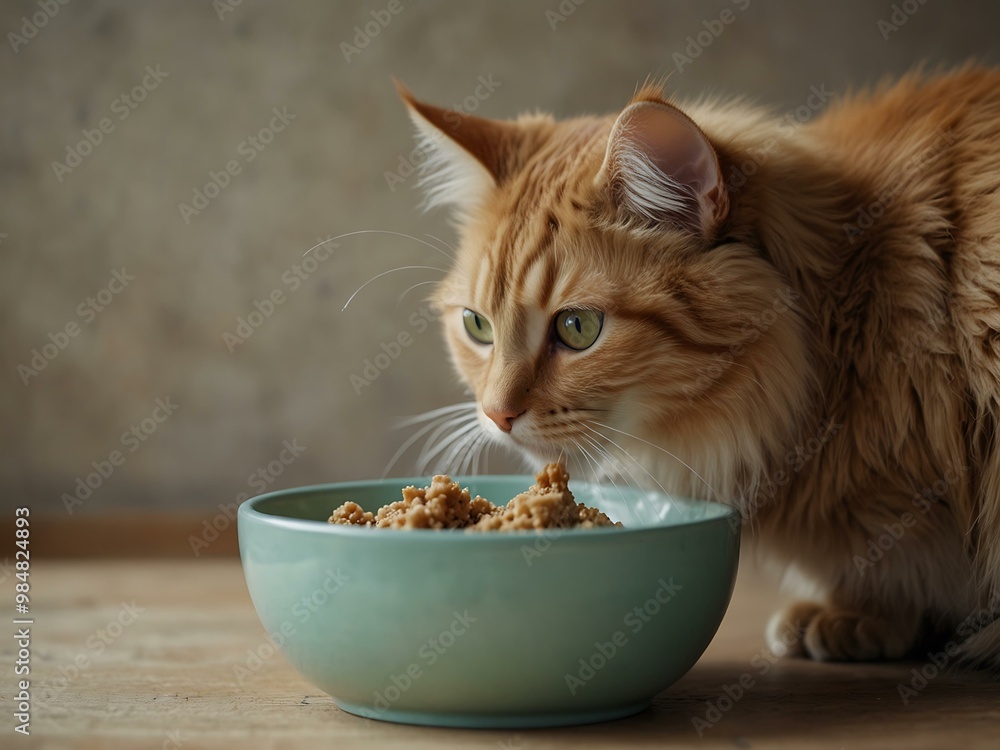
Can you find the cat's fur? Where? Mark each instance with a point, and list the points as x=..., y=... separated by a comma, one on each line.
x=805, y=311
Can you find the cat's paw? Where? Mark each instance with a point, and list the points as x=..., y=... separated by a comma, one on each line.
x=830, y=634
x=787, y=628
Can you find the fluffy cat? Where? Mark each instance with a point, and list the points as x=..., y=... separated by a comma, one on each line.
x=799, y=316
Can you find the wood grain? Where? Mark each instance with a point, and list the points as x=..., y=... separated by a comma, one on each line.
x=167, y=680
x=130, y=535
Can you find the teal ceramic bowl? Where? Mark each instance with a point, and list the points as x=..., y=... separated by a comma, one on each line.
x=522, y=629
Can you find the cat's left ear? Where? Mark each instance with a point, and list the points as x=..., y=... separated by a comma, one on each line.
x=464, y=157
x=660, y=168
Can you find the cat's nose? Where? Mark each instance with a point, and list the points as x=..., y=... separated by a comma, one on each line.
x=502, y=418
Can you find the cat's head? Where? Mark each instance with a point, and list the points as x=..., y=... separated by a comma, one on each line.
x=601, y=283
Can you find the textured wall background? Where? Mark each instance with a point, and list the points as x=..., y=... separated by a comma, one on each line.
x=65, y=231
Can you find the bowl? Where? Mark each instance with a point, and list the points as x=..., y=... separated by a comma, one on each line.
x=498, y=629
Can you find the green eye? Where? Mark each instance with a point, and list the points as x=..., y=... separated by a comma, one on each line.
x=579, y=329
x=479, y=328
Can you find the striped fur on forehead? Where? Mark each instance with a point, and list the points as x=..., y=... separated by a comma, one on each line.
x=531, y=211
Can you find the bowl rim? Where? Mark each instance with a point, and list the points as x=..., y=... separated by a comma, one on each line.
x=249, y=511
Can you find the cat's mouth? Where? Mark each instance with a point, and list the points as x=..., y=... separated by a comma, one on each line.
x=546, y=437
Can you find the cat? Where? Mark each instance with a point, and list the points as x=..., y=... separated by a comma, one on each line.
x=798, y=316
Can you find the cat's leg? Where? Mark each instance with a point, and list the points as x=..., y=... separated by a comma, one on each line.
x=830, y=633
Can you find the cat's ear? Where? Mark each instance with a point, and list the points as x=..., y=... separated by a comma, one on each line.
x=463, y=157
x=660, y=168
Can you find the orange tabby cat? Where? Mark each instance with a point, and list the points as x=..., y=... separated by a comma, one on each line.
x=799, y=316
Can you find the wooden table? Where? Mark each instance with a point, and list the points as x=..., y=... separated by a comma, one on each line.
x=163, y=677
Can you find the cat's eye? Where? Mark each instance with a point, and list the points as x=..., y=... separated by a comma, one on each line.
x=479, y=328
x=579, y=329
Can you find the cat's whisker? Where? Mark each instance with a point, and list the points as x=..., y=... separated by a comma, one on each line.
x=468, y=447
x=450, y=247
x=589, y=465
x=630, y=457
x=620, y=468
x=435, y=422
x=614, y=484
x=434, y=413
x=458, y=444
x=623, y=471
x=480, y=452
x=432, y=444
x=378, y=276
x=456, y=436
x=600, y=472
x=409, y=289
x=471, y=457
x=605, y=452
x=380, y=231
x=584, y=462
x=663, y=450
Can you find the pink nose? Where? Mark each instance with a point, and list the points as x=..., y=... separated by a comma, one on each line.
x=502, y=417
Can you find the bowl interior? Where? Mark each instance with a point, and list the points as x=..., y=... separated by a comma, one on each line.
x=635, y=508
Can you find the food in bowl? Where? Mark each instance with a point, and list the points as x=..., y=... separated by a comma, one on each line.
x=444, y=504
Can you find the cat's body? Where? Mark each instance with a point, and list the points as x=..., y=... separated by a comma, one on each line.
x=806, y=315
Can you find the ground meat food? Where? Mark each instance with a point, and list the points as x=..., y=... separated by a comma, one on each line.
x=445, y=505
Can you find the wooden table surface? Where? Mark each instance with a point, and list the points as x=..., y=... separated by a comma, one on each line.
x=163, y=677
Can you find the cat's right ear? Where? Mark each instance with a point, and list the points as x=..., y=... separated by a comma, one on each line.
x=661, y=169
x=463, y=157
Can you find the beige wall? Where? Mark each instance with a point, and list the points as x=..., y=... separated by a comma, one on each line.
x=64, y=236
